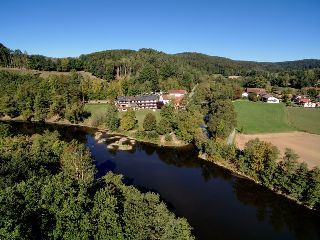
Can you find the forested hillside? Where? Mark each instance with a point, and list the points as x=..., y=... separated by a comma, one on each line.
x=149, y=65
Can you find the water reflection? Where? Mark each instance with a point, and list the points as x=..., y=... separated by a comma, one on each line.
x=216, y=203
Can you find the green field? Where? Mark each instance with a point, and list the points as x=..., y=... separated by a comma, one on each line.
x=259, y=117
x=95, y=108
x=305, y=119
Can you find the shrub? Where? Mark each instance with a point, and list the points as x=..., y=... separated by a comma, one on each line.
x=152, y=135
x=140, y=134
x=168, y=137
x=97, y=119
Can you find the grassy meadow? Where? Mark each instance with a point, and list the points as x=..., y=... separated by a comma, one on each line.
x=305, y=119
x=259, y=117
x=95, y=108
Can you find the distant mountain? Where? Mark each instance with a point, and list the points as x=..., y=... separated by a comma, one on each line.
x=228, y=66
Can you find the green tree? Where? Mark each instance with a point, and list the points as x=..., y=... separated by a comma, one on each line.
x=167, y=113
x=111, y=119
x=77, y=163
x=128, y=120
x=149, y=122
x=222, y=118
x=164, y=126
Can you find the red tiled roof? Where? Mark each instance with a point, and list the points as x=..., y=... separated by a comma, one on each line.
x=304, y=100
x=178, y=99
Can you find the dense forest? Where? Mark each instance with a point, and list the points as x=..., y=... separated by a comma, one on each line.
x=149, y=70
x=48, y=190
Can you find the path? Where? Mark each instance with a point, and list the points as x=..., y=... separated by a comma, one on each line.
x=192, y=92
x=231, y=137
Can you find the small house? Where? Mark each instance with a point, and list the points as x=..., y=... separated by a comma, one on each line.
x=306, y=103
x=269, y=98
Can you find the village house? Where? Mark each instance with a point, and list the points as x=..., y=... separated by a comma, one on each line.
x=137, y=102
x=269, y=98
x=307, y=103
x=278, y=94
x=147, y=102
x=258, y=91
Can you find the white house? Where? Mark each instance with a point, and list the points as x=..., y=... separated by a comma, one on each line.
x=269, y=98
x=307, y=103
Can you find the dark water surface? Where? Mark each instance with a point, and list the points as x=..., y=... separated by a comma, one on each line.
x=217, y=204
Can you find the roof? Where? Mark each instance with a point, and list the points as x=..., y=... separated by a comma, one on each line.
x=126, y=99
x=147, y=98
x=178, y=99
x=257, y=90
x=177, y=91
x=277, y=92
x=267, y=96
x=304, y=100
x=165, y=97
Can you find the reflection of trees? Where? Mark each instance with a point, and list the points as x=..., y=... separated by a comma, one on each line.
x=67, y=133
x=278, y=210
x=105, y=167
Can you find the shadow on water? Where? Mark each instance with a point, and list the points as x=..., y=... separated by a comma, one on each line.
x=286, y=218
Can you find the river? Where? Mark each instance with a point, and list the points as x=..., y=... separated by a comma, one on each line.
x=217, y=204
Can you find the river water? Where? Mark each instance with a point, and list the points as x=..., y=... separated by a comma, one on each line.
x=217, y=204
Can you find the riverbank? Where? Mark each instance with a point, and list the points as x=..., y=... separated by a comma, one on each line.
x=234, y=171
x=159, y=142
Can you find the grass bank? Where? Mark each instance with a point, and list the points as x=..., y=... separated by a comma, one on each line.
x=260, y=117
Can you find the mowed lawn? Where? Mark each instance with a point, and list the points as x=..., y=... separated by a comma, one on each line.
x=95, y=108
x=305, y=119
x=260, y=117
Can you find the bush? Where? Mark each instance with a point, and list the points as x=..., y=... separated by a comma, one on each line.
x=153, y=135
x=140, y=134
x=97, y=119
x=168, y=137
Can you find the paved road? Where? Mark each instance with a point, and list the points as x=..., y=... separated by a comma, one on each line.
x=231, y=137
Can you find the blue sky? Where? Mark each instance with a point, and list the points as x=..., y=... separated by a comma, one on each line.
x=241, y=30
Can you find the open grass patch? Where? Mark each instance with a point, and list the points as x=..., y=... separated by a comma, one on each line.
x=259, y=117
x=305, y=119
x=94, y=108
